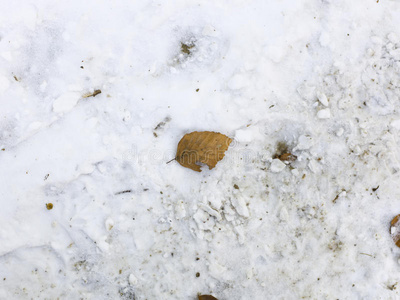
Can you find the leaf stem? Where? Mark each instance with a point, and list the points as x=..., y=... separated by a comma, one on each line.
x=171, y=160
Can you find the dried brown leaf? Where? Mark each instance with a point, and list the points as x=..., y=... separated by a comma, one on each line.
x=207, y=297
x=288, y=157
x=204, y=147
x=185, y=48
x=94, y=94
x=395, y=230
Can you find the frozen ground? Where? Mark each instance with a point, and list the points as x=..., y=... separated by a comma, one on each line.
x=319, y=77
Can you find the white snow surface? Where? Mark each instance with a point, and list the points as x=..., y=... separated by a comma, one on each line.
x=126, y=225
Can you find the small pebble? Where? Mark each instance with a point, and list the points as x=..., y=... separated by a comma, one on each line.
x=277, y=165
x=340, y=132
x=324, y=113
x=323, y=99
x=132, y=279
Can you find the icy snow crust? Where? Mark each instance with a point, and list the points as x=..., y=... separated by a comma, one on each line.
x=320, y=77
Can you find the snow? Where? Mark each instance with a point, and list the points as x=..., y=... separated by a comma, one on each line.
x=317, y=79
x=304, y=143
x=4, y=84
x=65, y=102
